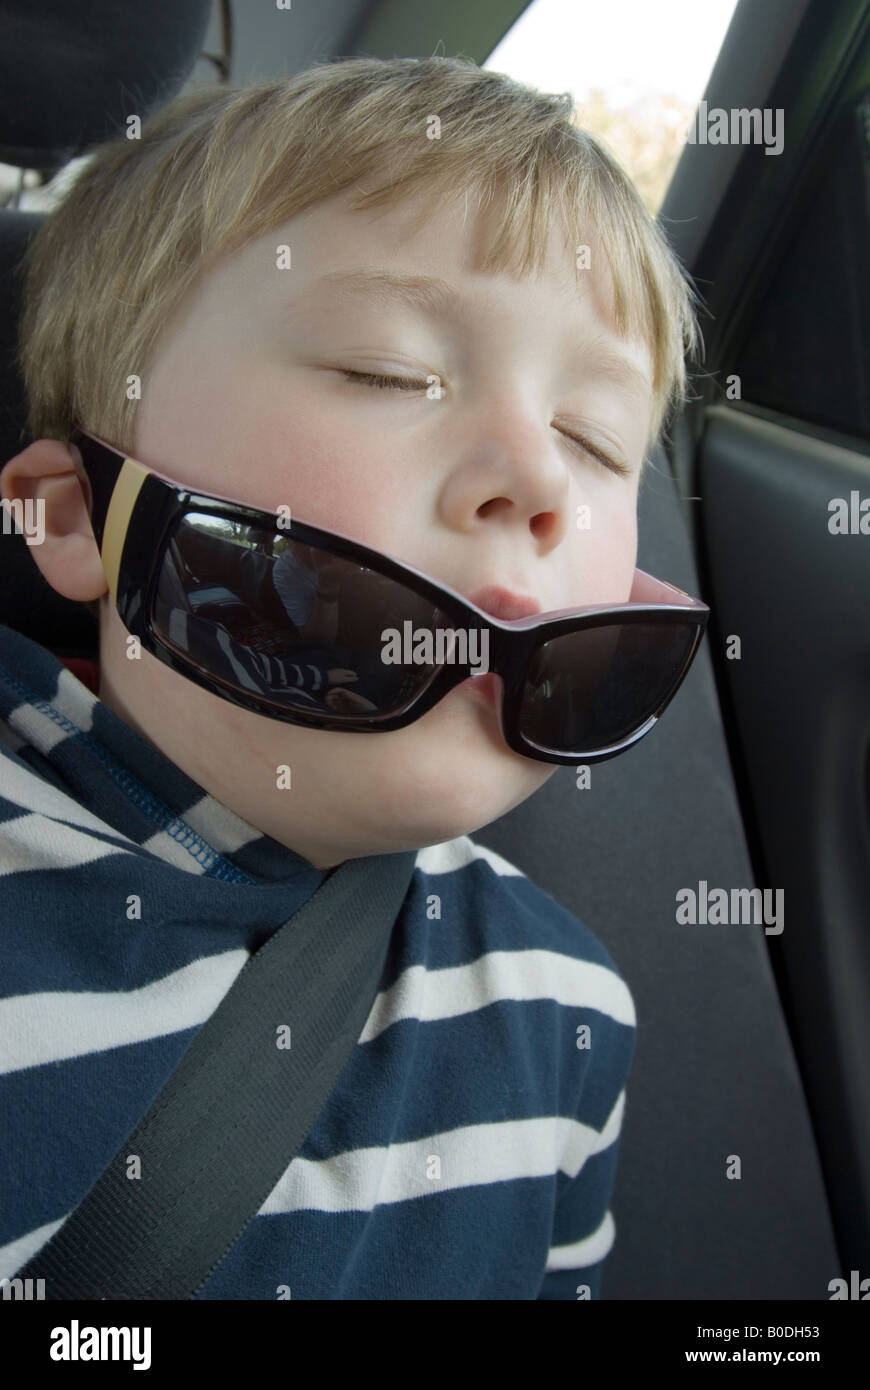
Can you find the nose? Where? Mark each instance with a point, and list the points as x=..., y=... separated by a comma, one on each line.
x=510, y=471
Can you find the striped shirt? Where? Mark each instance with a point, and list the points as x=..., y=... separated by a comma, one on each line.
x=469, y=1148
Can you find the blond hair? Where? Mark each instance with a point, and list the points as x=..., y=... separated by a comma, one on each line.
x=221, y=167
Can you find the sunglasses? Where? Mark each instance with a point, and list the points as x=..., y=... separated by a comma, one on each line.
x=309, y=626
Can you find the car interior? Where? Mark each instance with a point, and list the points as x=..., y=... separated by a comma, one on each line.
x=750, y=1044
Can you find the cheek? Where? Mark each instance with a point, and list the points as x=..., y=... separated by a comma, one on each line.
x=327, y=475
x=605, y=552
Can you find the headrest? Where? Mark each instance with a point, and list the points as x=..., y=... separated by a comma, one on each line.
x=71, y=74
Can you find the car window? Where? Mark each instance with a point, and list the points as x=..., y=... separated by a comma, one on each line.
x=807, y=349
x=634, y=86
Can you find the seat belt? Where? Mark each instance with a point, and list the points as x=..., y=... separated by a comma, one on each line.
x=240, y=1104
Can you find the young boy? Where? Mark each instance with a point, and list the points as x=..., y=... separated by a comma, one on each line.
x=413, y=303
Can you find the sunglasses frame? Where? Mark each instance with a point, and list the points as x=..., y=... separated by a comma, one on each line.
x=134, y=514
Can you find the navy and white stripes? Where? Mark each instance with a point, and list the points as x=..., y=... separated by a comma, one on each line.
x=469, y=1149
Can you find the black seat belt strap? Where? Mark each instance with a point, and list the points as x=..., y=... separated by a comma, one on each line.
x=239, y=1105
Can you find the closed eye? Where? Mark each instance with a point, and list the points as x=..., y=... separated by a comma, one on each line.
x=623, y=470
x=404, y=383
x=384, y=383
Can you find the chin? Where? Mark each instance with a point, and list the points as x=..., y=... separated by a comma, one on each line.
x=429, y=791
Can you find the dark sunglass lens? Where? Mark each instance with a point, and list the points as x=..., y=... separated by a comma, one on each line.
x=592, y=690
x=263, y=614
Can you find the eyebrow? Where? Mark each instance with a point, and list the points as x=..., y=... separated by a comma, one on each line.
x=426, y=292
x=431, y=294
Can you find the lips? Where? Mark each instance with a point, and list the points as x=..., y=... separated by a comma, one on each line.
x=485, y=687
x=501, y=603
x=498, y=603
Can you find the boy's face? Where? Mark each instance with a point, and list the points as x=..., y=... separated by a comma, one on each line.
x=246, y=397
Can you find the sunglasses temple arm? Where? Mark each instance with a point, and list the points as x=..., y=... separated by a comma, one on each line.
x=647, y=589
x=102, y=466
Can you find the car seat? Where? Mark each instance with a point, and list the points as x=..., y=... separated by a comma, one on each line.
x=714, y=1072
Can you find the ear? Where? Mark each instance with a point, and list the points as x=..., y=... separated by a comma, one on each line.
x=49, y=475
